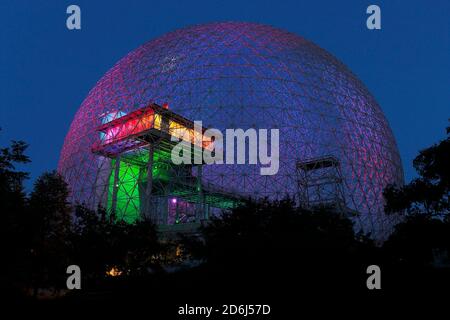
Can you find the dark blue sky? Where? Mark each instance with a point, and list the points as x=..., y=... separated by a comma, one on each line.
x=46, y=70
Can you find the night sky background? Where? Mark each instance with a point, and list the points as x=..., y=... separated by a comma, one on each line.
x=47, y=70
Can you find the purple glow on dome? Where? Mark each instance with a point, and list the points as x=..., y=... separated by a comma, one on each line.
x=246, y=75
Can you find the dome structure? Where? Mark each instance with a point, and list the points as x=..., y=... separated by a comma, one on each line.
x=243, y=75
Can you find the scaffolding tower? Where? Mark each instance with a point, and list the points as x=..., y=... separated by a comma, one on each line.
x=320, y=183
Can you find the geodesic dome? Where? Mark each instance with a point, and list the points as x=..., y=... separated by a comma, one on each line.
x=246, y=75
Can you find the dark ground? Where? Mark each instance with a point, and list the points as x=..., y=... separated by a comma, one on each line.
x=313, y=293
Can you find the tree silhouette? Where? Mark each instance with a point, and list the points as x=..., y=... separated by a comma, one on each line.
x=425, y=230
x=429, y=193
x=12, y=208
x=99, y=244
x=278, y=243
x=42, y=234
x=47, y=231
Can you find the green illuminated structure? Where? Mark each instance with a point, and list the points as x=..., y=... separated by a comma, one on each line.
x=134, y=153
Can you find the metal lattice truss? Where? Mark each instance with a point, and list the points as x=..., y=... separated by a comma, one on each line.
x=320, y=183
x=243, y=75
x=141, y=176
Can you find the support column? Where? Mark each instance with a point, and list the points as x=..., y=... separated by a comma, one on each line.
x=148, y=189
x=201, y=199
x=115, y=188
x=206, y=208
x=177, y=213
x=164, y=207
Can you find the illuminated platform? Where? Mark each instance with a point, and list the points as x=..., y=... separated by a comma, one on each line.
x=143, y=180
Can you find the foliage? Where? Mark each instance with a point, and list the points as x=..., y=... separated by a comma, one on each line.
x=429, y=193
x=12, y=208
x=425, y=200
x=277, y=235
x=100, y=244
x=47, y=226
x=42, y=234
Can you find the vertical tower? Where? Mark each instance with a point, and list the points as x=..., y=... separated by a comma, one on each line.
x=320, y=182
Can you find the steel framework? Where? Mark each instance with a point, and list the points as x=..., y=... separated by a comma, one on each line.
x=240, y=75
x=320, y=182
x=141, y=177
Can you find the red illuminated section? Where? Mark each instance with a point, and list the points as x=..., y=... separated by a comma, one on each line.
x=151, y=124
